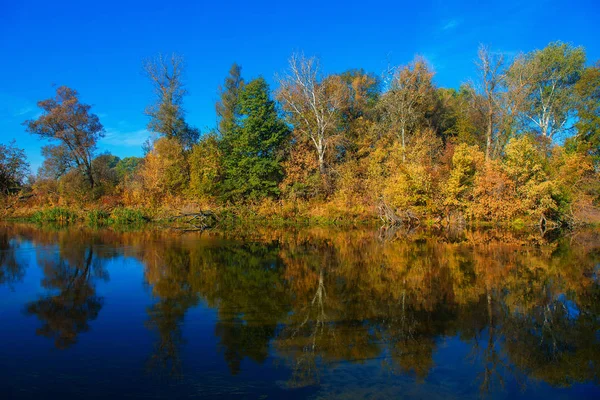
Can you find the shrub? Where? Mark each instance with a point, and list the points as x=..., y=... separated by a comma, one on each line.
x=165, y=170
x=55, y=215
x=410, y=188
x=97, y=217
x=466, y=161
x=205, y=167
x=126, y=216
x=494, y=197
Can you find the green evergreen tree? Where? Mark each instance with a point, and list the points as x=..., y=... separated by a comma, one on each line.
x=251, y=157
x=228, y=106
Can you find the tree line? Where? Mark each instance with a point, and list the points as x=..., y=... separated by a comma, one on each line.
x=521, y=141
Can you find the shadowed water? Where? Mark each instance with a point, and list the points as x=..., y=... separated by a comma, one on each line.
x=310, y=314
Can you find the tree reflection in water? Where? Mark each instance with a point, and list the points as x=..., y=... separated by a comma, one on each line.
x=11, y=270
x=315, y=299
x=69, y=275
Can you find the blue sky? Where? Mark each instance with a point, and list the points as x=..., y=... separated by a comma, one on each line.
x=97, y=48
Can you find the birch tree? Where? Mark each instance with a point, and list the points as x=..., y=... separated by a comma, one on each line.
x=404, y=103
x=547, y=78
x=313, y=103
x=491, y=79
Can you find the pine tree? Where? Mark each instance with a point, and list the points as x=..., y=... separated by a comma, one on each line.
x=252, y=159
x=228, y=106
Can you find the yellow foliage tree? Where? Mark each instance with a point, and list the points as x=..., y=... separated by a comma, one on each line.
x=165, y=170
x=466, y=162
x=205, y=167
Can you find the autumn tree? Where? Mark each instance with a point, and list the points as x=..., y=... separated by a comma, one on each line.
x=357, y=113
x=206, y=166
x=405, y=102
x=491, y=79
x=167, y=116
x=313, y=103
x=67, y=121
x=165, y=170
x=13, y=167
x=466, y=161
x=546, y=79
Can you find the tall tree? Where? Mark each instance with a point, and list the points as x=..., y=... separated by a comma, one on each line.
x=491, y=79
x=228, y=106
x=252, y=163
x=66, y=120
x=167, y=116
x=546, y=81
x=404, y=104
x=313, y=103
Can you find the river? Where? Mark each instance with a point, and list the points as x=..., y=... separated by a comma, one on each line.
x=311, y=313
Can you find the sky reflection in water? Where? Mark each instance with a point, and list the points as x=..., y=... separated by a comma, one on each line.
x=97, y=314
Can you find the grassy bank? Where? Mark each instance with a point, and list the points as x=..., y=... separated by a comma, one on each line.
x=90, y=217
x=234, y=217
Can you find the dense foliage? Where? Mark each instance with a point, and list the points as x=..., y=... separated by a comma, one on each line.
x=521, y=143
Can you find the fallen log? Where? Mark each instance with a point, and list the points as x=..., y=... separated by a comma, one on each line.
x=396, y=218
x=196, y=221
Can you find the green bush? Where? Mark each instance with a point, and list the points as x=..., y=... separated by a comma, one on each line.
x=126, y=216
x=97, y=217
x=55, y=215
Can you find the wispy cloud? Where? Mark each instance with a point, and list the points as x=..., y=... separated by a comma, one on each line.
x=15, y=107
x=115, y=137
x=451, y=24
x=22, y=111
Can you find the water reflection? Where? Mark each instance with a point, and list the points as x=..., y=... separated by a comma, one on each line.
x=526, y=308
x=11, y=270
x=69, y=275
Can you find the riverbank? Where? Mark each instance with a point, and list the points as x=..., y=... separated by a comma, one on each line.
x=274, y=215
x=226, y=217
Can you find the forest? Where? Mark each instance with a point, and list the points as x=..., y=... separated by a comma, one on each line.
x=517, y=145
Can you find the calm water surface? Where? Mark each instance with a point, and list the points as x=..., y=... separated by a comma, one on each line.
x=313, y=314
